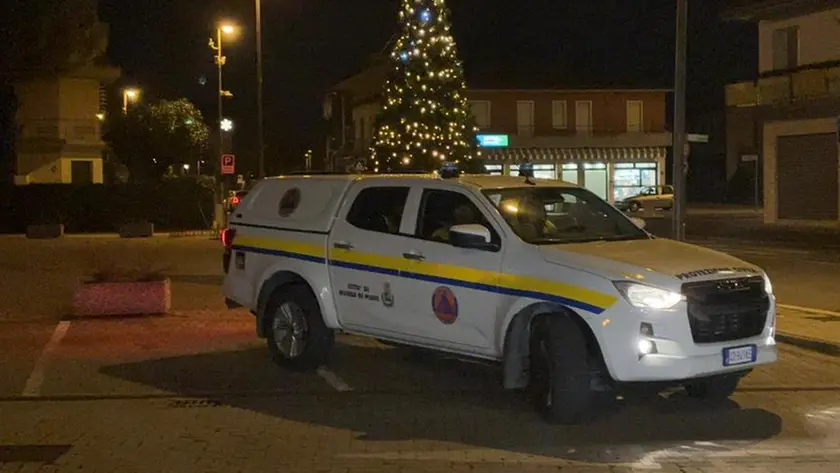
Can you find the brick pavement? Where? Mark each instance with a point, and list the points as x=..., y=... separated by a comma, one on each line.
x=403, y=415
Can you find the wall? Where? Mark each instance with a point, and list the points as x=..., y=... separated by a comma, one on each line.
x=609, y=118
x=819, y=38
x=609, y=110
x=363, y=136
x=37, y=100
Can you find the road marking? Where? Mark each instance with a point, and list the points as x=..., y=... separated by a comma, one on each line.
x=36, y=378
x=333, y=380
x=811, y=310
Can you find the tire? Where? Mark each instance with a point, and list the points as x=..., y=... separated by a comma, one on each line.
x=294, y=308
x=635, y=206
x=714, y=389
x=561, y=371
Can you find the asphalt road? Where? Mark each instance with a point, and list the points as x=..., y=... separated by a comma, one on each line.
x=195, y=391
x=800, y=276
x=190, y=394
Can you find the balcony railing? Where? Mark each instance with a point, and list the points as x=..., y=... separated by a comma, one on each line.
x=69, y=131
x=805, y=84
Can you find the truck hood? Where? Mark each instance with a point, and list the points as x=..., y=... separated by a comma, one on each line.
x=641, y=257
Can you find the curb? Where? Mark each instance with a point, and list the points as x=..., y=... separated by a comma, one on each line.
x=193, y=233
x=820, y=346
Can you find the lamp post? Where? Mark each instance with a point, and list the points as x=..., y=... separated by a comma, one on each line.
x=260, y=138
x=680, y=143
x=129, y=95
x=217, y=46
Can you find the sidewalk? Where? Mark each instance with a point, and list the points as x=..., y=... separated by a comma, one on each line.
x=809, y=328
x=752, y=230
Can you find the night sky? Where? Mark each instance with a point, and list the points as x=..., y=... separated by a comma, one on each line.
x=309, y=45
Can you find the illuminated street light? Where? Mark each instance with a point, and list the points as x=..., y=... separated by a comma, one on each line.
x=228, y=29
x=130, y=95
x=227, y=125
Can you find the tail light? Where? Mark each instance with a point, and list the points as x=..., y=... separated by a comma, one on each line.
x=227, y=237
x=235, y=200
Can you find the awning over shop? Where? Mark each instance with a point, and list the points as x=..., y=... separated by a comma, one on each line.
x=516, y=155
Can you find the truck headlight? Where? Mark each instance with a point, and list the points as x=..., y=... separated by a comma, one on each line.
x=648, y=297
x=768, y=286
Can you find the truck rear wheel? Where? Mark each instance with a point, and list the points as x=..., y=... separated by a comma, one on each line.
x=296, y=334
x=561, y=371
x=712, y=389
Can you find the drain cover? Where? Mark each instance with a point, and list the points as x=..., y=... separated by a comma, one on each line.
x=32, y=453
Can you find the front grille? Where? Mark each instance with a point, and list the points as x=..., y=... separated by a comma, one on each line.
x=726, y=309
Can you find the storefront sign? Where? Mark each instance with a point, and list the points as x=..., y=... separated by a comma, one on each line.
x=492, y=141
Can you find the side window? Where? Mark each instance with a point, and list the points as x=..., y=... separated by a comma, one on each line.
x=379, y=209
x=440, y=210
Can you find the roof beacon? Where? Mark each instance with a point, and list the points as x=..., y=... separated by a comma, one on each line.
x=449, y=170
x=526, y=170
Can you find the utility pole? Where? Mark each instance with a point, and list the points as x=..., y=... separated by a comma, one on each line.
x=260, y=138
x=679, y=138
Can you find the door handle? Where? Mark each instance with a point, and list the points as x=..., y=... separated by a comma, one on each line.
x=414, y=256
x=343, y=245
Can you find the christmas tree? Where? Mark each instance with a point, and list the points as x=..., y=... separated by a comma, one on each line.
x=425, y=119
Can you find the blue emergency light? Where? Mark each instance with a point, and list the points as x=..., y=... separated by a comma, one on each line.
x=526, y=170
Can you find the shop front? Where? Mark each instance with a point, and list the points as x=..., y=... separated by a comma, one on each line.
x=611, y=173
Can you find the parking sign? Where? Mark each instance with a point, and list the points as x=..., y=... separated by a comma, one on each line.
x=228, y=164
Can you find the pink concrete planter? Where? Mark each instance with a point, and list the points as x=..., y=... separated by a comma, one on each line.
x=123, y=298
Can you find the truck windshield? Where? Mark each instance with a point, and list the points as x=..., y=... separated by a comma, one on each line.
x=552, y=215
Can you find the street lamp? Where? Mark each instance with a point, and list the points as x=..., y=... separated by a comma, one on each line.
x=227, y=125
x=224, y=29
x=221, y=30
x=129, y=95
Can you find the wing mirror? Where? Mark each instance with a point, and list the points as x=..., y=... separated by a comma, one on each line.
x=473, y=236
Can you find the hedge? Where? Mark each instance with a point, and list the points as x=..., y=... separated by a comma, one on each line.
x=176, y=204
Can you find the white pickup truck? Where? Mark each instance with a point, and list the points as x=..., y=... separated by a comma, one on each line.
x=566, y=293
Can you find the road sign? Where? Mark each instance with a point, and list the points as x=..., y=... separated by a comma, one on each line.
x=697, y=138
x=228, y=164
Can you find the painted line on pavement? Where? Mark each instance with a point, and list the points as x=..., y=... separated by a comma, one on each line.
x=811, y=310
x=333, y=380
x=36, y=378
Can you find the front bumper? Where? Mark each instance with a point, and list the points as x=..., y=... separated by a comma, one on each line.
x=676, y=356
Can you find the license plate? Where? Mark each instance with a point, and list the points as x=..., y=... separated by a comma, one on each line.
x=739, y=355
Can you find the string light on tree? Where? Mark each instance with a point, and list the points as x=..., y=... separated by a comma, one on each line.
x=425, y=117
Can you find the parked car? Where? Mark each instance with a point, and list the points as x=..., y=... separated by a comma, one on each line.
x=660, y=197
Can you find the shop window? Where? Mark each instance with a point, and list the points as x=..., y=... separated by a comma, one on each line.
x=569, y=173
x=494, y=169
x=595, y=178
x=631, y=179
x=541, y=171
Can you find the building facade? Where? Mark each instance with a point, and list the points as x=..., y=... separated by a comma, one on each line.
x=59, y=139
x=782, y=126
x=613, y=142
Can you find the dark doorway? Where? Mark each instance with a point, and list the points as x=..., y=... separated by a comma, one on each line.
x=81, y=172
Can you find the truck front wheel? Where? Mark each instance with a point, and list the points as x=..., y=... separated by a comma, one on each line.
x=296, y=334
x=561, y=371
